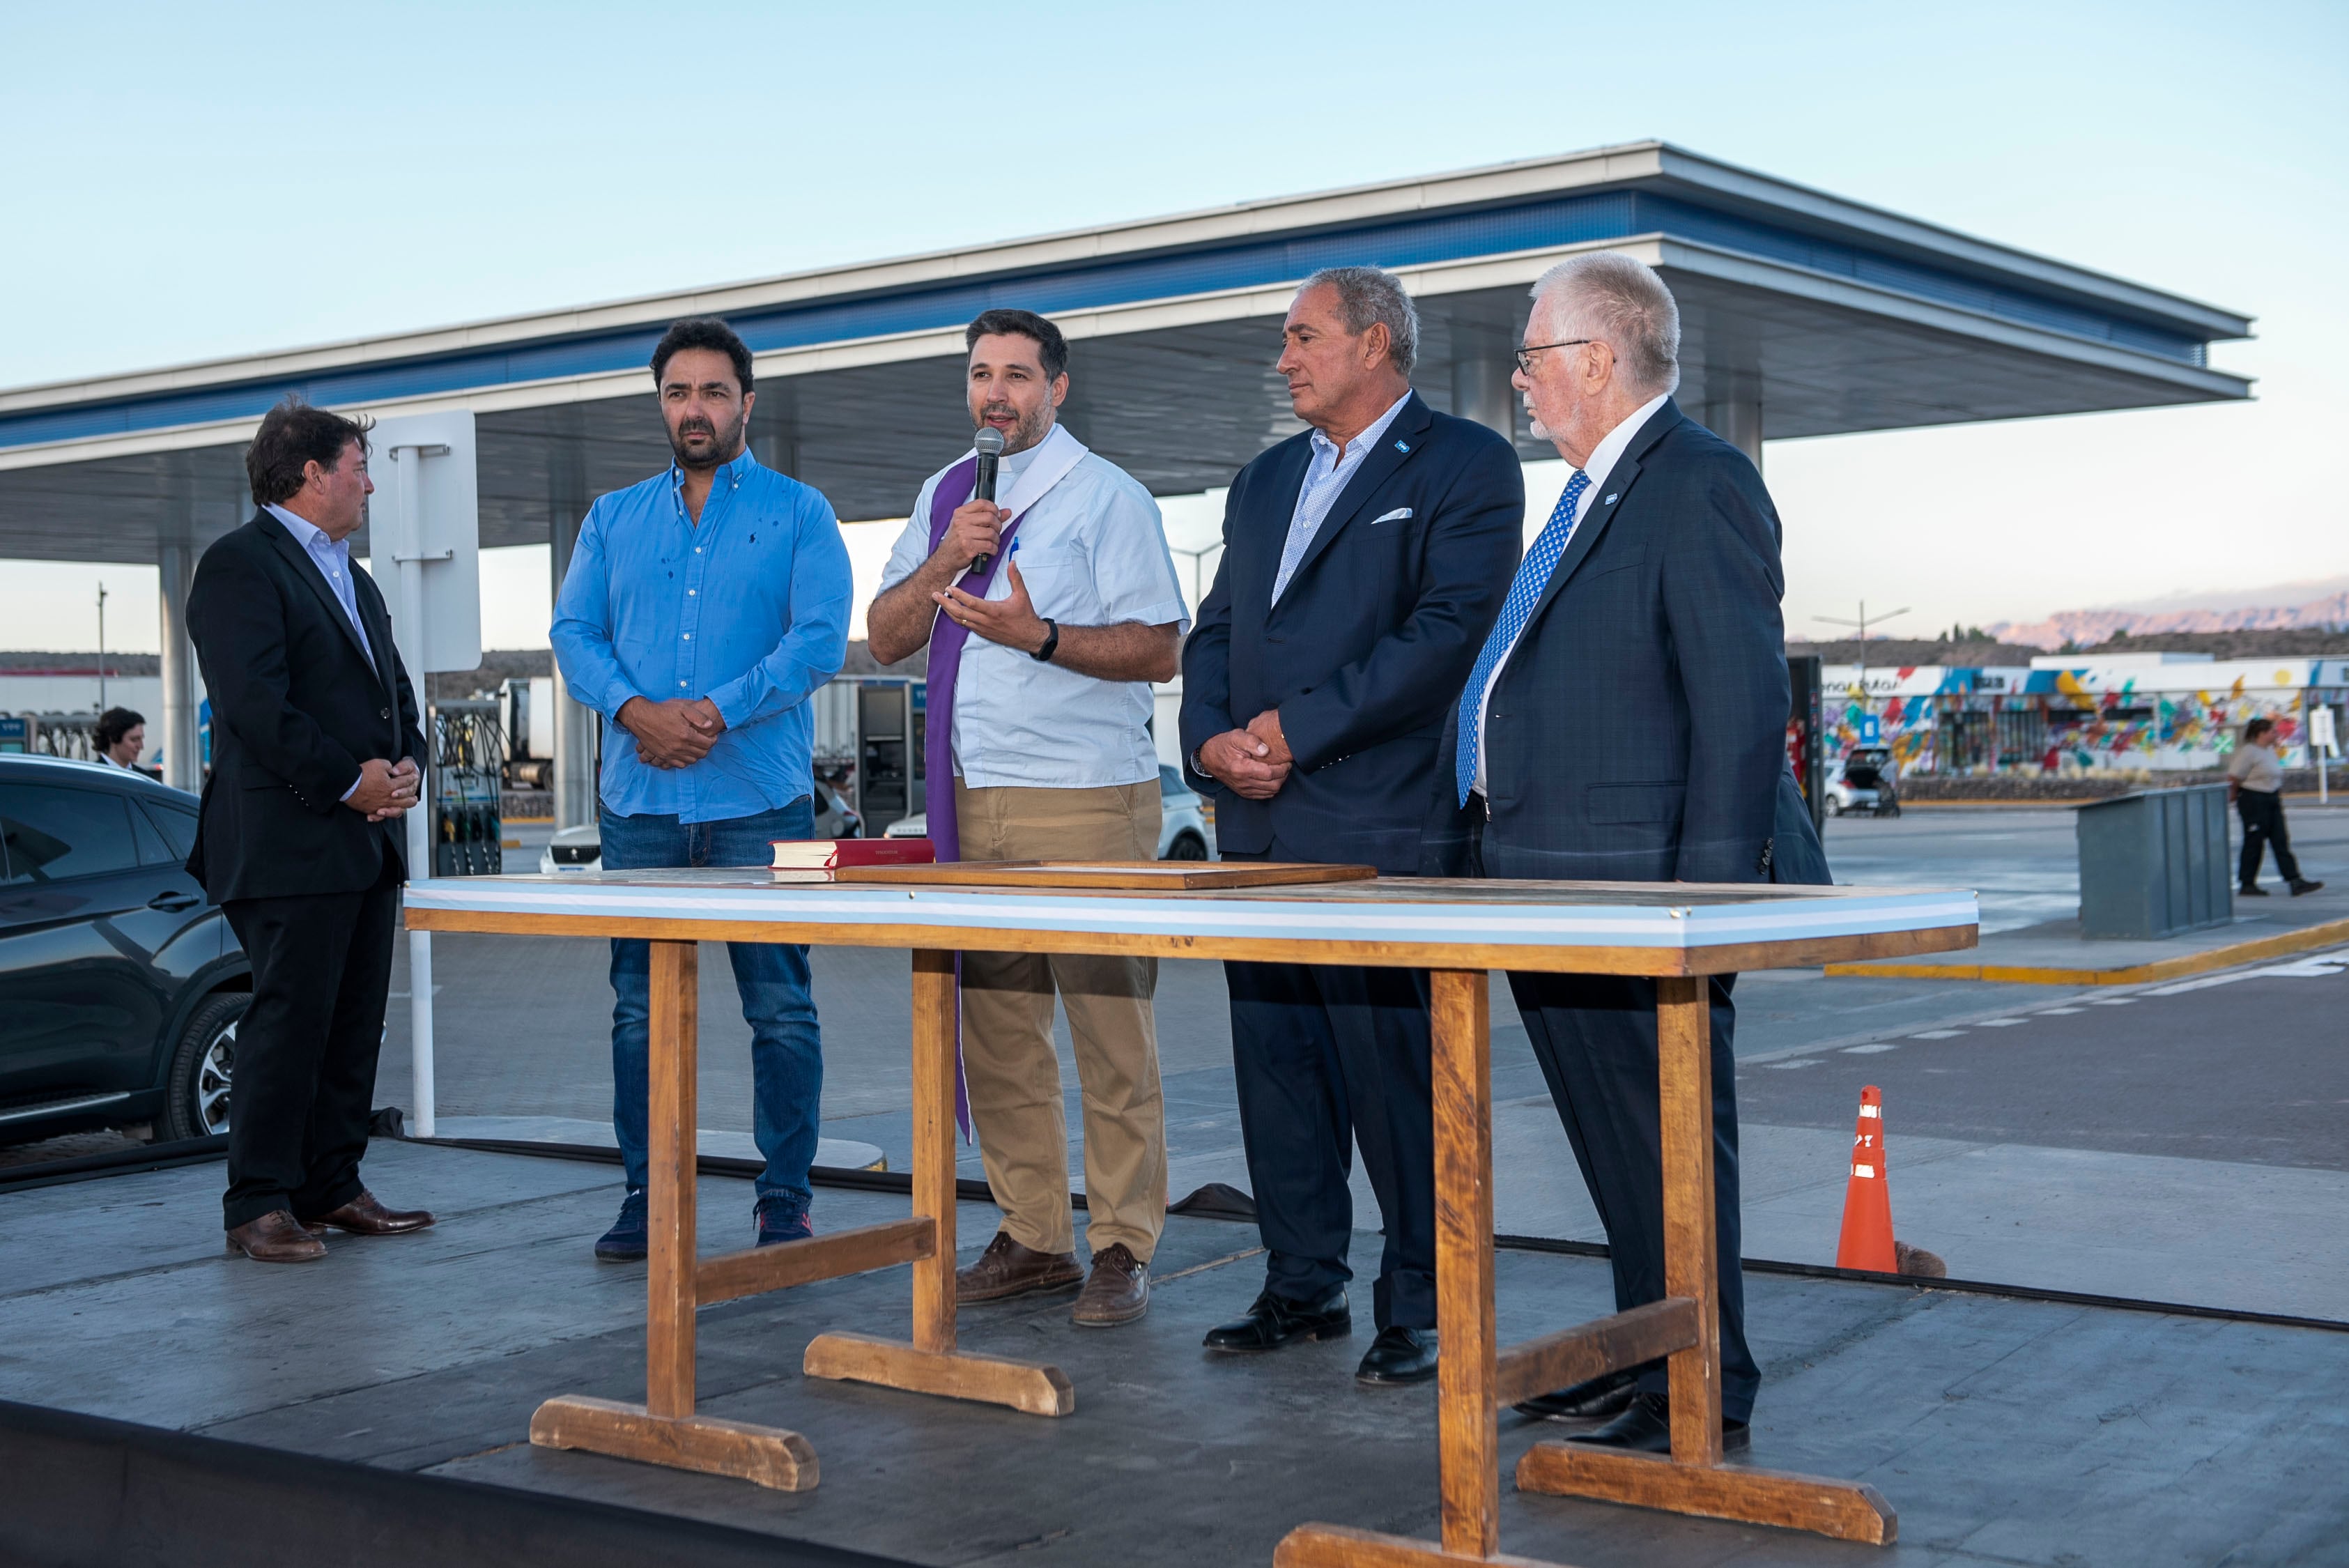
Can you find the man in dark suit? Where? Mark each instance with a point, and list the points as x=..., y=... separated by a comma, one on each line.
x=1363, y=562
x=314, y=742
x=1626, y=721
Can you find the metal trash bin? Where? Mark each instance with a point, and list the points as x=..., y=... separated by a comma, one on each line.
x=2155, y=863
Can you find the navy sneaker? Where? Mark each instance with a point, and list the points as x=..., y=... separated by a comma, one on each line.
x=624, y=1243
x=782, y=1218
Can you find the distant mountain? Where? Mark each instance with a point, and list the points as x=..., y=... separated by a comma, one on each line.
x=2310, y=607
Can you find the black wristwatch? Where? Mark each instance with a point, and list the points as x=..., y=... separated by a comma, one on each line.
x=1052, y=642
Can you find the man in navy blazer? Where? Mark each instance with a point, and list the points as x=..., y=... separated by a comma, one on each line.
x=1363, y=562
x=1626, y=721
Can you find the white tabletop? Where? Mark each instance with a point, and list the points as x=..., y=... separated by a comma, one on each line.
x=1417, y=913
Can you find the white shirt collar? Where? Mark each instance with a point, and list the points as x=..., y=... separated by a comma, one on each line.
x=307, y=533
x=1612, y=445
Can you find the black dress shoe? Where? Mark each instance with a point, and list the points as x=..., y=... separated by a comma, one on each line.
x=1596, y=1399
x=1399, y=1355
x=1646, y=1427
x=1273, y=1322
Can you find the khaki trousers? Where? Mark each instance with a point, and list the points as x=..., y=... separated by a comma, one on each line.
x=1006, y=1034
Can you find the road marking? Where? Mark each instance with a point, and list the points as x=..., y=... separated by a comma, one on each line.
x=1937, y=1035
x=2059, y=1011
x=1867, y=1050
x=1799, y=1062
x=1999, y=1023
x=2110, y=1001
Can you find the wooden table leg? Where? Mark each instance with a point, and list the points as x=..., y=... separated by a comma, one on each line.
x=1692, y=1248
x=931, y=1364
x=1468, y=1439
x=1694, y=1480
x=664, y=1429
x=676, y=1067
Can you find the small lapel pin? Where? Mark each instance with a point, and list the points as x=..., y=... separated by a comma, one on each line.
x=1609, y=502
x=1401, y=445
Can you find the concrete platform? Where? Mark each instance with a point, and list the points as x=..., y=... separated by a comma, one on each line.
x=2003, y=1430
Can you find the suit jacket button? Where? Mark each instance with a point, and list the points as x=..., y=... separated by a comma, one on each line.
x=387, y=713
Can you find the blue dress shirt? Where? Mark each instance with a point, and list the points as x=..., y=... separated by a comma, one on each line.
x=749, y=610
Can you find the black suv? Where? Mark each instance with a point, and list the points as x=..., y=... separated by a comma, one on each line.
x=120, y=983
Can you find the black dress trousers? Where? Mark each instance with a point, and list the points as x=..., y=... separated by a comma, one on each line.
x=302, y=1090
x=1328, y=1057
x=1595, y=1037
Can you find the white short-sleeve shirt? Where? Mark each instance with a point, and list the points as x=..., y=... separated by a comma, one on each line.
x=1092, y=552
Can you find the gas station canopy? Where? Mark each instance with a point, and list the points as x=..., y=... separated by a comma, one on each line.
x=1803, y=315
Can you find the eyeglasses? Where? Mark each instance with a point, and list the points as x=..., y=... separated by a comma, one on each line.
x=1526, y=355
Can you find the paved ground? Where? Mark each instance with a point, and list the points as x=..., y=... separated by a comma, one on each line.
x=2005, y=1432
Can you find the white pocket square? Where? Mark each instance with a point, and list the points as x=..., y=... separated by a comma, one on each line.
x=1398, y=515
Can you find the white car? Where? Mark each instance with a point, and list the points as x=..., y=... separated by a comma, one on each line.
x=1188, y=833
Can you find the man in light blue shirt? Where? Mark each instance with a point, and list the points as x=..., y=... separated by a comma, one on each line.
x=700, y=611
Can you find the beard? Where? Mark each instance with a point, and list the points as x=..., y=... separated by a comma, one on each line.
x=725, y=444
x=1025, y=430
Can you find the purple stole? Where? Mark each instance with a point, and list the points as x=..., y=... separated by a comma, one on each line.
x=948, y=636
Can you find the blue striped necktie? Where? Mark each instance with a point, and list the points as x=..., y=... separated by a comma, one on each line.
x=1533, y=577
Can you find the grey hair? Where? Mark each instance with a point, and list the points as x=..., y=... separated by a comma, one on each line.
x=1620, y=300
x=1370, y=294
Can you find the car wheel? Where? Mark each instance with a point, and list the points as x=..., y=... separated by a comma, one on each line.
x=1187, y=846
x=196, y=1094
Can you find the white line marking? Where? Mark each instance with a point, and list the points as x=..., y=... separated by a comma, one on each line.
x=2059, y=1011
x=1866, y=1051
x=1799, y=1062
x=1937, y=1035
x=1999, y=1023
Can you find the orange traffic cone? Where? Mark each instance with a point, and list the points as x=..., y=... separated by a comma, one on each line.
x=1867, y=1240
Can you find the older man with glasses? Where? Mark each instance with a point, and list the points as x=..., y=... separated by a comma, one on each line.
x=1625, y=723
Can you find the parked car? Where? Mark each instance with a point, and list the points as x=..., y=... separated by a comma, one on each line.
x=581, y=848
x=120, y=983
x=1185, y=832
x=1863, y=781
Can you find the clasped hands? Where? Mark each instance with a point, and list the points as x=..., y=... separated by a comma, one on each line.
x=384, y=789
x=675, y=733
x=974, y=530
x=1253, y=763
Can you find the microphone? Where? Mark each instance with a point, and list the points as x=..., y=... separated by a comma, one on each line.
x=989, y=443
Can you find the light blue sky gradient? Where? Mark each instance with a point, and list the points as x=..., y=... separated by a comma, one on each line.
x=183, y=181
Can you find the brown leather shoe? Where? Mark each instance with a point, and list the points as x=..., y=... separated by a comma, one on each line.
x=274, y=1237
x=1118, y=1291
x=365, y=1216
x=1007, y=1269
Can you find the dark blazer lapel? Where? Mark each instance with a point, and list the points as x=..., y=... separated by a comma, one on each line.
x=1402, y=438
x=1268, y=533
x=307, y=570
x=1604, y=506
x=379, y=626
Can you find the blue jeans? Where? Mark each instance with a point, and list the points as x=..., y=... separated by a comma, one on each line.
x=786, y=1049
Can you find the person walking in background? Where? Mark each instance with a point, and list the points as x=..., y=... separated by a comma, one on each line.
x=701, y=609
x=1626, y=722
x=1038, y=748
x=1363, y=562
x=314, y=742
x=2255, y=784
x=119, y=737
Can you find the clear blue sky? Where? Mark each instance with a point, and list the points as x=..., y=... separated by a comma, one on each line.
x=191, y=180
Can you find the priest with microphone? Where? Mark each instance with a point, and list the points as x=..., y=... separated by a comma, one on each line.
x=1049, y=602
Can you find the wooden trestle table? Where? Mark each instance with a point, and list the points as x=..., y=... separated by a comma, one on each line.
x=1679, y=933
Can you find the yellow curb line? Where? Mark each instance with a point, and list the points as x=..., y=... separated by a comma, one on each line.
x=2228, y=957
